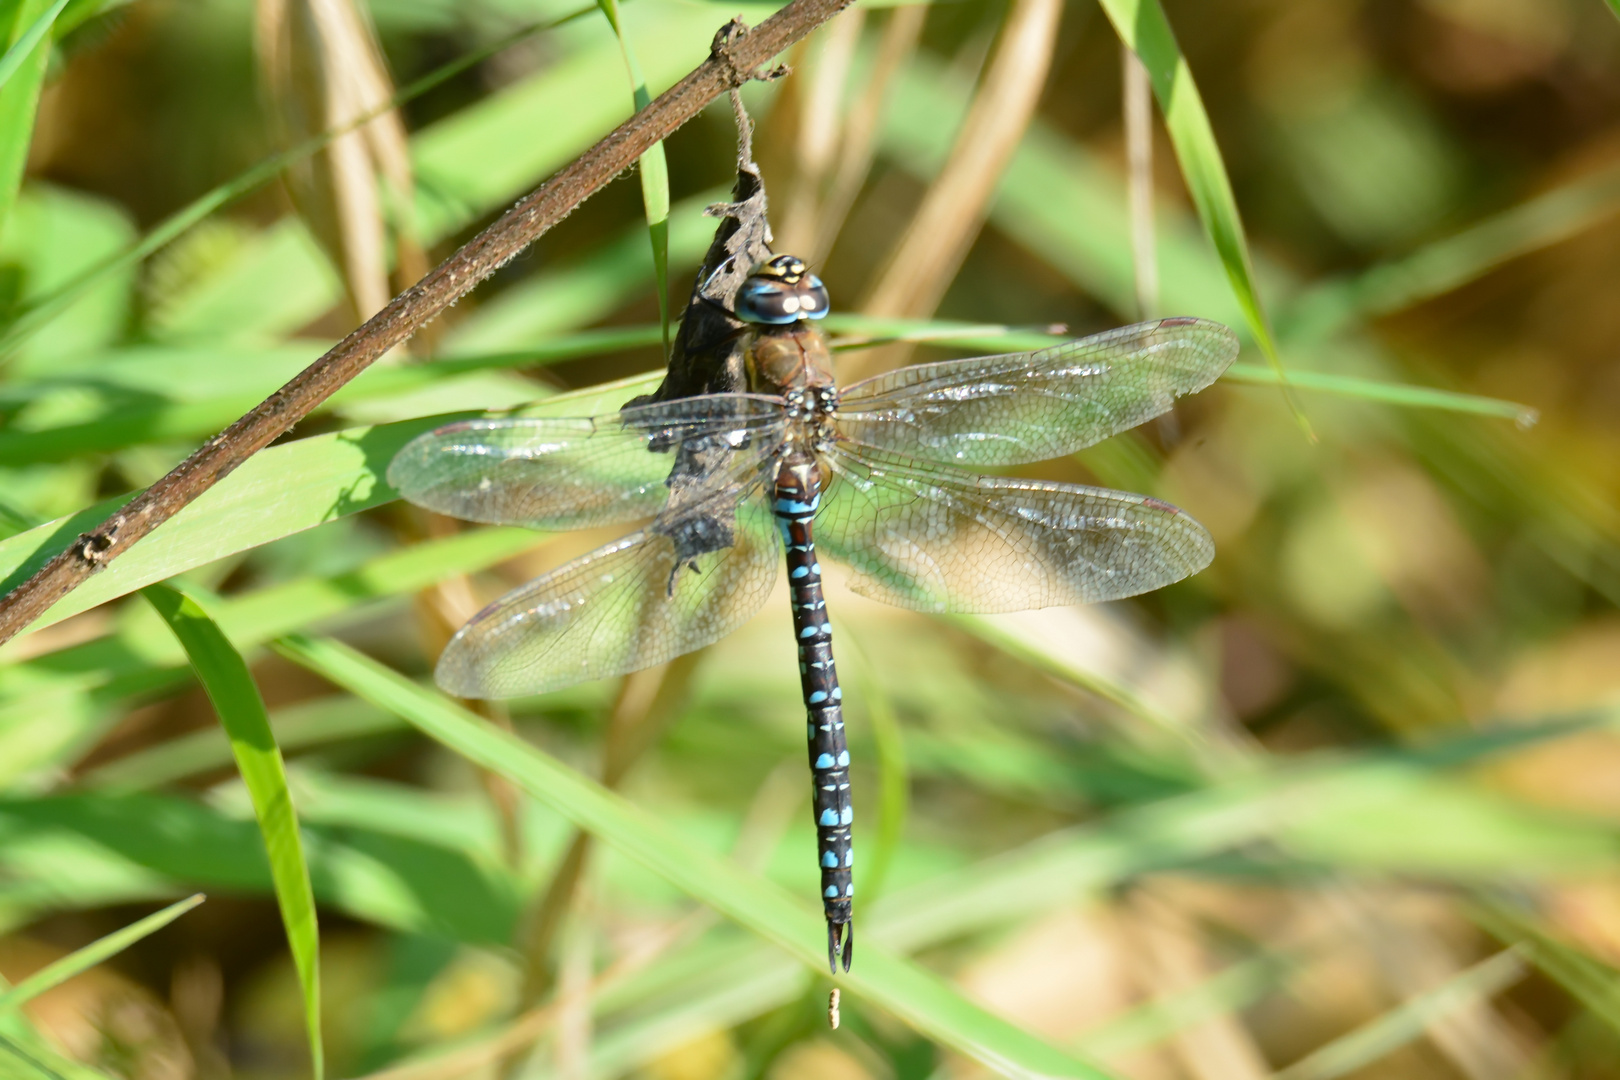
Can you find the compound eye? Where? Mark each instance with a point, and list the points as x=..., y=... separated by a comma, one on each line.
x=813, y=301
x=770, y=302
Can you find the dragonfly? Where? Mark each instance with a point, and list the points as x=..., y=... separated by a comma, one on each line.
x=875, y=475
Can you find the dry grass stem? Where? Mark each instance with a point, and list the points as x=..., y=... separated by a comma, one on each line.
x=1473, y=1035
x=861, y=126
x=1137, y=92
x=820, y=108
x=322, y=70
x=574, y=997
x=929, y=253
x=1171, y=960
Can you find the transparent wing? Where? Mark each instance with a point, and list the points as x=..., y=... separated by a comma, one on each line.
x=935, y=539
x=625, y=606
x=1004, y=410
x=578, y=472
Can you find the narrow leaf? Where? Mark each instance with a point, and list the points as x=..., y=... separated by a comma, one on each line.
x=14, y=57
x=42, y=311
x=1403, y=395
x=654, y=173
x=81, y=960
x=1383, y=1036
x=1143, y=27
x=225, y=676
x=275, y=493
x=911, y=992
x=19, y=100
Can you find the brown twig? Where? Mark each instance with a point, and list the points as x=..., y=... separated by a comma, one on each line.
x=737, y=54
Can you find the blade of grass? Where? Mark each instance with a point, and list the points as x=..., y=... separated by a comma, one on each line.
x=1403, y=395
x=654, y=173
x=1449, y=263
x=416, y=865
x=277, y=492
x=1381, y=1037
x=908, y=991
x=1228, y=991
x=1011, y=338
x=202, y=751
x=304, y=483
x=81, y=960
x=46, y=308
x=14, y=57
x=1143, y=27
x=1589, y=981
x=19, y=100
x=40, y=1059
x=230, y=686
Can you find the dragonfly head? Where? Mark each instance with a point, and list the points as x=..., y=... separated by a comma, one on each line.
x=781, y=291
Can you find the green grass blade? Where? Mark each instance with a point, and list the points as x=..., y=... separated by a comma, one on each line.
x=434, y=869
x=1383, y=1036
x=19, y=101
x=1143, y=27
x=1402, y=395
x=81, y=960
x=275, y=493
x=39, y=1058
x=910, y=992
x=1228, y=991
x=47, y=308
x=1448, y=264
x=317, y=724
x=14, y=57
x=230, y=686
x=654, y=173
x=1587, y=979
x=78, y=960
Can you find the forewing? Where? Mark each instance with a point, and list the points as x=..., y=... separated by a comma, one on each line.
x=934, y=539
x=625, y=606
x=579, y=472
x=1020, y=407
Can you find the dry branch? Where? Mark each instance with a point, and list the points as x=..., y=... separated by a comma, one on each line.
x=737, y=54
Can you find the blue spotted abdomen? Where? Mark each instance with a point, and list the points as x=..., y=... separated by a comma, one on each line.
x=796, y=497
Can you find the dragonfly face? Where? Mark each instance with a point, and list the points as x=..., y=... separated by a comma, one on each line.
x=732, y=486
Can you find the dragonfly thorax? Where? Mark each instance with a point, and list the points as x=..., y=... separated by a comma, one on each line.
x=784, y=358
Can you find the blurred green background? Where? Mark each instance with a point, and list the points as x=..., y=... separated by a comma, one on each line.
x=1345, y=804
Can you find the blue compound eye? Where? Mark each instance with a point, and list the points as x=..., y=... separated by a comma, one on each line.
x=813, y=301
x=781, y=292
x=762, y=300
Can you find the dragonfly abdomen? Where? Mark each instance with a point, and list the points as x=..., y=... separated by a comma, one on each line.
x=796, y=497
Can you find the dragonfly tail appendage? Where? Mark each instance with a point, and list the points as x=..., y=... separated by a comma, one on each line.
x=840, y=939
